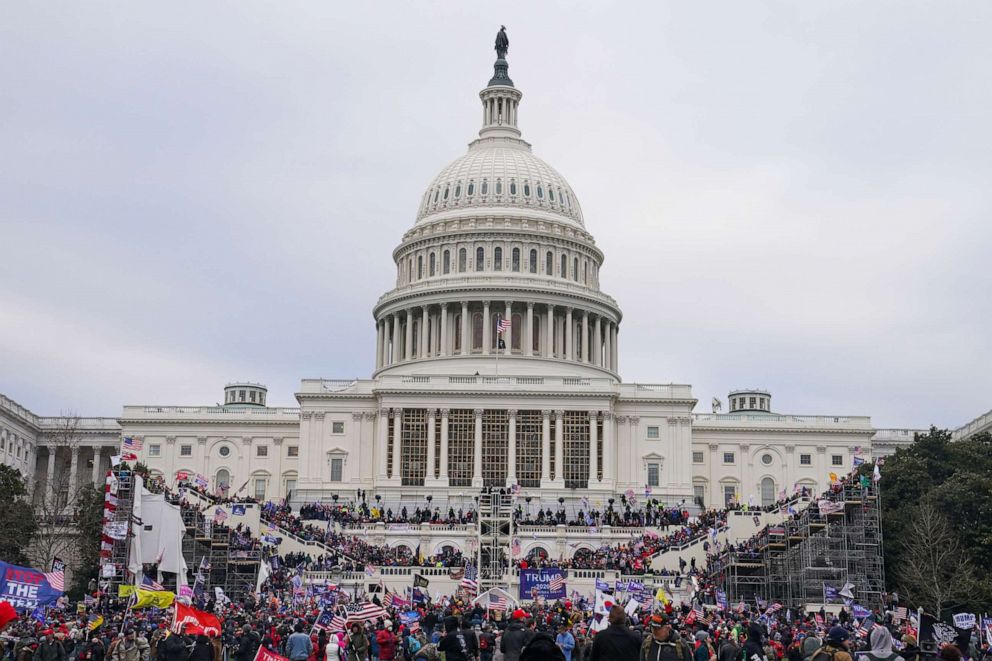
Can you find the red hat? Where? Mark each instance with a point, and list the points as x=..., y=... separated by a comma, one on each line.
x=46, y=632
x=519, y=614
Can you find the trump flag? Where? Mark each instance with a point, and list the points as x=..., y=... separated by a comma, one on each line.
x=26, y=588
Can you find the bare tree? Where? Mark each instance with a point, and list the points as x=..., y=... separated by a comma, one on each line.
x=55, y=501
x=934, y=572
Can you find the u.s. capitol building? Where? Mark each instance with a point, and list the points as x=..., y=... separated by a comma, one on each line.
x=496, y=364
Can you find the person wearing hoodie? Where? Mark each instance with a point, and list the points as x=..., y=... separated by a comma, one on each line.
x=753, y=650
x=880, y=641
x=515, y=638
x=835, y=647
x=664, y=643
x=729, y=651
x=809, y=647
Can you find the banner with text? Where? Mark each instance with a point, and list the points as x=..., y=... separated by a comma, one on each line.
x=539, y=582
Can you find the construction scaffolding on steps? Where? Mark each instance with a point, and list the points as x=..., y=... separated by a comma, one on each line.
x=494, y=532
x=790, y=563
x=121, y=547
x=207, y=551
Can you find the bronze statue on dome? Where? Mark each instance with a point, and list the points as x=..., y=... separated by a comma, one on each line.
x=502, y=42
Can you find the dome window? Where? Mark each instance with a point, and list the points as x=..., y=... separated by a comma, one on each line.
x=549, y=264
x=513, y=188
x=526, y=189
x=497, y=259
x=462, y=260
x=499, y=187
x=431, y=264
x=446, y=188
x=568, y=204
x=446, y=262
x=458, y=191
x=485, y=187
x=540, y=192
x=533, y=261
x=436, y=193
x=480, y=259
x=471, y=189
x=515, y=260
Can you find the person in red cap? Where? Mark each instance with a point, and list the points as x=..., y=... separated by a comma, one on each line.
x=516, y=637
x=7, y=614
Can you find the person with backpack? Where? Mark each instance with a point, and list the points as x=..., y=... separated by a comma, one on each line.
x=880, y=641
x=454, y=646
x=704, y=648
x=809, y=647
x=835, y=648
x=487, y=644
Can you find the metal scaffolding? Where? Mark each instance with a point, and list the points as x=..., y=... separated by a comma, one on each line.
x=495, y=528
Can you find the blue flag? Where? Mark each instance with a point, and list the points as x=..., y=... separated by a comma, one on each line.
x=39, y=614
x=27, y=589
x=238, y=510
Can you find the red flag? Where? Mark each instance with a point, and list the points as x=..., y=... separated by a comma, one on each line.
x=265, y=655
x=195, y=621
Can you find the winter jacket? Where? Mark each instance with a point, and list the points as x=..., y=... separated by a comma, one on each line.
x=387, y=644
x=615, y=643
x=172, y=648
x=513, y=641
x=136, y=650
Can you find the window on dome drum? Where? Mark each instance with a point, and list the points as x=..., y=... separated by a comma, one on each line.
x=515, y=259
x=458, y=332
x=535, y=346
x=652, y=474
x=540, y=192
x=513, y=188
x=567, y=201
x=484, y=188
x=251, y=395
x=499, y=187
x=477, y=331
x=497, y=259
x=480, y=259
x=576, y=449
x=761, y=403
x=529, y=424
x=836, y=460
x=420, y=267
x=564, y=266
x=436, y=193
x=575, y=269
x=805, y=460
x=551, y=193
x=185, y=450
x=653, y=433
x=461, y=444
x=462, y=259
x=446, y=262
x=262, y=451
x=413, y=463
x=533, y=261
x=337, y=469
x=458, y=191
x=471, y=189
x=495, y=432
x=445, y=192
x=697, y=457
x=292, y=450
x=728, y=457
x=548, y=262
x=430, y=264
x=526, y=189
x=585, y=273
x=515, y=337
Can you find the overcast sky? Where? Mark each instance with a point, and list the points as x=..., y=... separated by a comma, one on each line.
x=790, y=195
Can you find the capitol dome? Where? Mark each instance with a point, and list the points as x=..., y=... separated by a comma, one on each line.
x=498, y=266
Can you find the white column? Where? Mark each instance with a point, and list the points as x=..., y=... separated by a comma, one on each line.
x=378, y=344
x=97, y=457
x=396, y=355
x=50, y=483
x=477, y=459
x=444, y=448
x=549, y=351
x=73, y=472
x=431, y=456
x=585, y=337
x=559, y=480
x=511, y=455
x=487, y=329
x=408, y=341
x=607, y=351
x=397, y=444
x=508, y=335
x=545, y=448
x=527, y=340
x=466, y=340
x=382, y=443
x=597, y=346
x=444, y=329
x=613, y=347
x=423, y=333
x=593, y=446
x=608, y=459
x=569, y=354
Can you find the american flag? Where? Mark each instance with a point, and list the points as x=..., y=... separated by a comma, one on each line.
x=774, y=608
x=470, y=581
x=695, y=614
x=147, y=583
x=557, y=583
x=132, y=444
x=497, y=602
x=220, y=516
x=900, y=614
x=503, y=324
x=706, y=619
x=369, y=570
x=367, y=612
x=56, y=579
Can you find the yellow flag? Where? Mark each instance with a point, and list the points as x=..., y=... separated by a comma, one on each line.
x=156, y=598
x=662, y=597
x=833, y=477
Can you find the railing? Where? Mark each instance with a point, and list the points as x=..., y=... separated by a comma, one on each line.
x=979, y=424
x=444, y=283
x=775, y=418
x=213, y=410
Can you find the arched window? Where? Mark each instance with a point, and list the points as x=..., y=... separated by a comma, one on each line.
x=585, y=272
x=458, y=331
x=564, y=266
x=515, y=335
x=526, y=189
x=477, y=331
x=436, y=193
x=409, y=269
x=549, y=268
x=533, y=261
x=420, y=267
x=551, y=193
x=575, y=269
x=416, y=340
x=446, y=189
x=535, y=346
x=480, y=259
x=499, y=187
x=462, y=259
x=458, y=190
x=540, y=192
x=513, y=187
x=222, y=482
x=446, y=262
x=497, y=259
x=515, y=260
x=767, y=492
x=471, y=188
x=430, y=264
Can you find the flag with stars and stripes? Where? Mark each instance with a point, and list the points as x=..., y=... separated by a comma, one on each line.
x=557, y=583
x=132, y=444
x=147, y=583
x=497, y=602
x=471, y=579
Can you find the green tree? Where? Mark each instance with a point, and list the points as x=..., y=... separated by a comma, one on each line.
x=17, y=518
x=89, y=520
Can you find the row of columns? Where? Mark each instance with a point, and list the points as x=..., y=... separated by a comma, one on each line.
x=441, y=479
x=395, y=341
x=97, y=474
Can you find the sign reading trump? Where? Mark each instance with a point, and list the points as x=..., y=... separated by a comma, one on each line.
x=26, y=588
x=547, y=583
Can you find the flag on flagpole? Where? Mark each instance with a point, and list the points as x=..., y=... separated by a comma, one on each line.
x=132, y=444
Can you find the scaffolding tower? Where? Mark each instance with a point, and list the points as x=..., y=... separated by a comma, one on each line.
x=121, y=547
x=207, y=546
x=494, y=532
x=790, y=563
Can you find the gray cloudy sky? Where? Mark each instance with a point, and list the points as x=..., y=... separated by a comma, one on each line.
x=791, y=195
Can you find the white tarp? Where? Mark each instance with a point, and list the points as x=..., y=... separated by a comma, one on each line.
x=158, y=527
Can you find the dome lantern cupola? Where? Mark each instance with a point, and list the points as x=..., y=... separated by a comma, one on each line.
x=500, y=98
